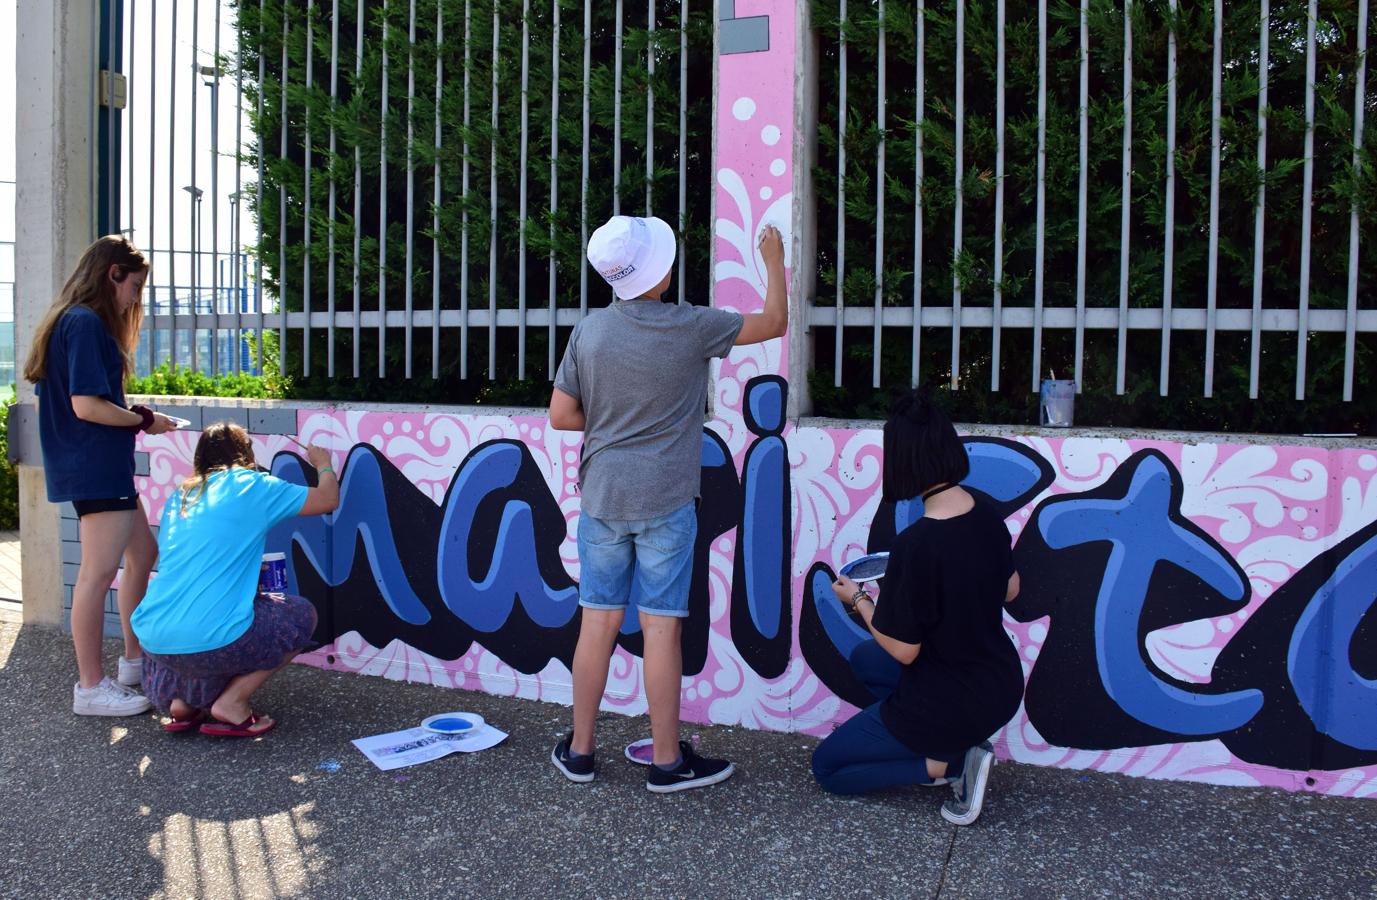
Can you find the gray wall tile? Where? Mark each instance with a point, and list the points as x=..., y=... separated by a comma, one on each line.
x=272, y=421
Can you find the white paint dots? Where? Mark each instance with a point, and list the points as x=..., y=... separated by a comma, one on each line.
x=1037, y=632
x=420, y=435
x=406, y=427
x=1031, y=652
x=388, y=427
x=535, y=434
x=1298, y=513
x=572, y=473
x=777, y=167
x=690, y=694
x=770, y=135
x=1367, y=463
x=766, y=193
x=1225, y=625
x=704, y=689
x=570, y=456
x=1309, y=532
x=743, y=108
x=377, y=441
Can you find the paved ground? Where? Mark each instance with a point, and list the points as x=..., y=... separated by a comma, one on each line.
x=10, y=582
x=117, y=808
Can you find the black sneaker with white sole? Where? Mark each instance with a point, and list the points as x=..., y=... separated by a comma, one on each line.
x=969, y=789
x=575, y=768
x=692, y=772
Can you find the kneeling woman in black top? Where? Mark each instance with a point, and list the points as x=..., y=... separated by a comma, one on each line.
x=945, y=673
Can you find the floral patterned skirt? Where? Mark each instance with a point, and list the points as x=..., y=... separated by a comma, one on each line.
x=282, y=624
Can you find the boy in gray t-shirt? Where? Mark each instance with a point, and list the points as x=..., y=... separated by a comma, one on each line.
x=634, y=380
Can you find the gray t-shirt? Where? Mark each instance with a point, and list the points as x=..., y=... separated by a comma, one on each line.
x=639, y=368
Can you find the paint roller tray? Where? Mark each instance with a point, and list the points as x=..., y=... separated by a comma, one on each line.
x=867, y=568
x=453, y=723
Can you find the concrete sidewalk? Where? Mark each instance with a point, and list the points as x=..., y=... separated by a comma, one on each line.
x=117, y=808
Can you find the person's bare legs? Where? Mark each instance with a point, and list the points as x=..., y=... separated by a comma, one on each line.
x=104, y=536
x=140, y=556
x=233, y=705
x=592, y=655
x=664, y=670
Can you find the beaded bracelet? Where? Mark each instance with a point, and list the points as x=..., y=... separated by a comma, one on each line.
x=322, y=471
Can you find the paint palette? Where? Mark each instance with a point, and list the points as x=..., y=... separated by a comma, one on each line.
x=178, y=421
x=641, y=752
x=454, y=724
x=867, y=568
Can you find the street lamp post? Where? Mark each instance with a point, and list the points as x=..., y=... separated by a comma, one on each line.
x=196, y=194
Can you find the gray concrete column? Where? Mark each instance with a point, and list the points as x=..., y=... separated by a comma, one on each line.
x=55, y=129
x=804, y=276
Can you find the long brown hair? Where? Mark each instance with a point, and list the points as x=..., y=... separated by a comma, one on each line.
x=222, y=446
x=92, y=286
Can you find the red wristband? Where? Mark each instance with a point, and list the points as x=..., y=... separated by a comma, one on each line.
x=145, y=414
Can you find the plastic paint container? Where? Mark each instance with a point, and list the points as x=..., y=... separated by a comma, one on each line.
x=272, y=576
x=452, y=723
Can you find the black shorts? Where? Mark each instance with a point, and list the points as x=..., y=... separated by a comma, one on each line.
x=108, y=504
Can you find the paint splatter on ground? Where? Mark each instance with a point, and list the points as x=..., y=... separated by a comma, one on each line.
x=330, y=765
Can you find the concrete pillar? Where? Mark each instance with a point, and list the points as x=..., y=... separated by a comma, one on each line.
x=55, y=128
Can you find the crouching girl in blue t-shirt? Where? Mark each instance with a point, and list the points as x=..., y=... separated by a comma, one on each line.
x=82, y=352
x=210, y=639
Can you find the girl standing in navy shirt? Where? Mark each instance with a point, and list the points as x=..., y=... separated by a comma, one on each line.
x=82, y=353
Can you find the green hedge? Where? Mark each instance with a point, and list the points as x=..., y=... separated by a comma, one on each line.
x=1336, y=185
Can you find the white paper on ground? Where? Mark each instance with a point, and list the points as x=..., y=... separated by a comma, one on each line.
x=398, y=749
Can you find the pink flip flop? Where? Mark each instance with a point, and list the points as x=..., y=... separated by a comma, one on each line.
x=187, y=724
x=216, y=728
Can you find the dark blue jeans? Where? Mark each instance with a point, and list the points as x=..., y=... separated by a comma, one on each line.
x=862, y=755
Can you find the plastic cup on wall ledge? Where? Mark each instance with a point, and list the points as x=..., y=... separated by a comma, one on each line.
x=1058, y=402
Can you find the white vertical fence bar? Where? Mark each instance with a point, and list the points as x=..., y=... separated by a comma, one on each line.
x=408, y=297
x=153, y=161
x=958, y=169
x=464, y=216
x=282, y=215
x=1082, y=191
x=1259, y=216
x=435, y=198
x=550, y=333
x=1359, y=95
x=237, y=290
x=841, y=190
x=215, y=196
x=358, y=190
x=492, y=206
x=1169, y=229
x=192, y=187
x=1213, y=276
x=330, y=225
x=1125, y=196
x=306, y=198
x=382, y=206
x=683, y=139
x=920, y=101
x=650, y=105
x=583, y=197
x=172, y=187
x=1040, y=241
x=1307, y=196
x=879, y=202
x=617, y=115
x=521, y=216
x=128, y=176
x=997, y=323
x=258, y=257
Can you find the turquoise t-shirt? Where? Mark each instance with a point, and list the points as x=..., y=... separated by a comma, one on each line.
x=209, y=560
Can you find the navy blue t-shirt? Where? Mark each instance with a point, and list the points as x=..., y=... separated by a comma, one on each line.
x=83, y=460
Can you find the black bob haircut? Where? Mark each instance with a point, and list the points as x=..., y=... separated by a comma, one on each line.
x=921, y=448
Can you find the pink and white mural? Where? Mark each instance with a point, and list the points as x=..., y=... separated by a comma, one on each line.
x=1191, y=611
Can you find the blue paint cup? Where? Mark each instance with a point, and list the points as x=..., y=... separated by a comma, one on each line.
x=1058, y=403
x=272, y=576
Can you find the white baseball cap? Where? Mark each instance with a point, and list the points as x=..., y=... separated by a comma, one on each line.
x=632, y=254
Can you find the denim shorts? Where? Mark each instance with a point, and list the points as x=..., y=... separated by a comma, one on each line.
x=648, y=561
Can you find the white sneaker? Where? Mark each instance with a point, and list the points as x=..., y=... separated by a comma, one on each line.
x=970, y=787
x=131, y=672
x=107, y=699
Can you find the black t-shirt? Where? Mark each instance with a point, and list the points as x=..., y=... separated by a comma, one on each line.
x=944, y=588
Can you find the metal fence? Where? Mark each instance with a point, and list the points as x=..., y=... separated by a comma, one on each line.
x=175, y=161
x=991, y=312
x=185, y=156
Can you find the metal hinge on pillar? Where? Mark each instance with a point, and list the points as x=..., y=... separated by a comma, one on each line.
x=114, y=89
